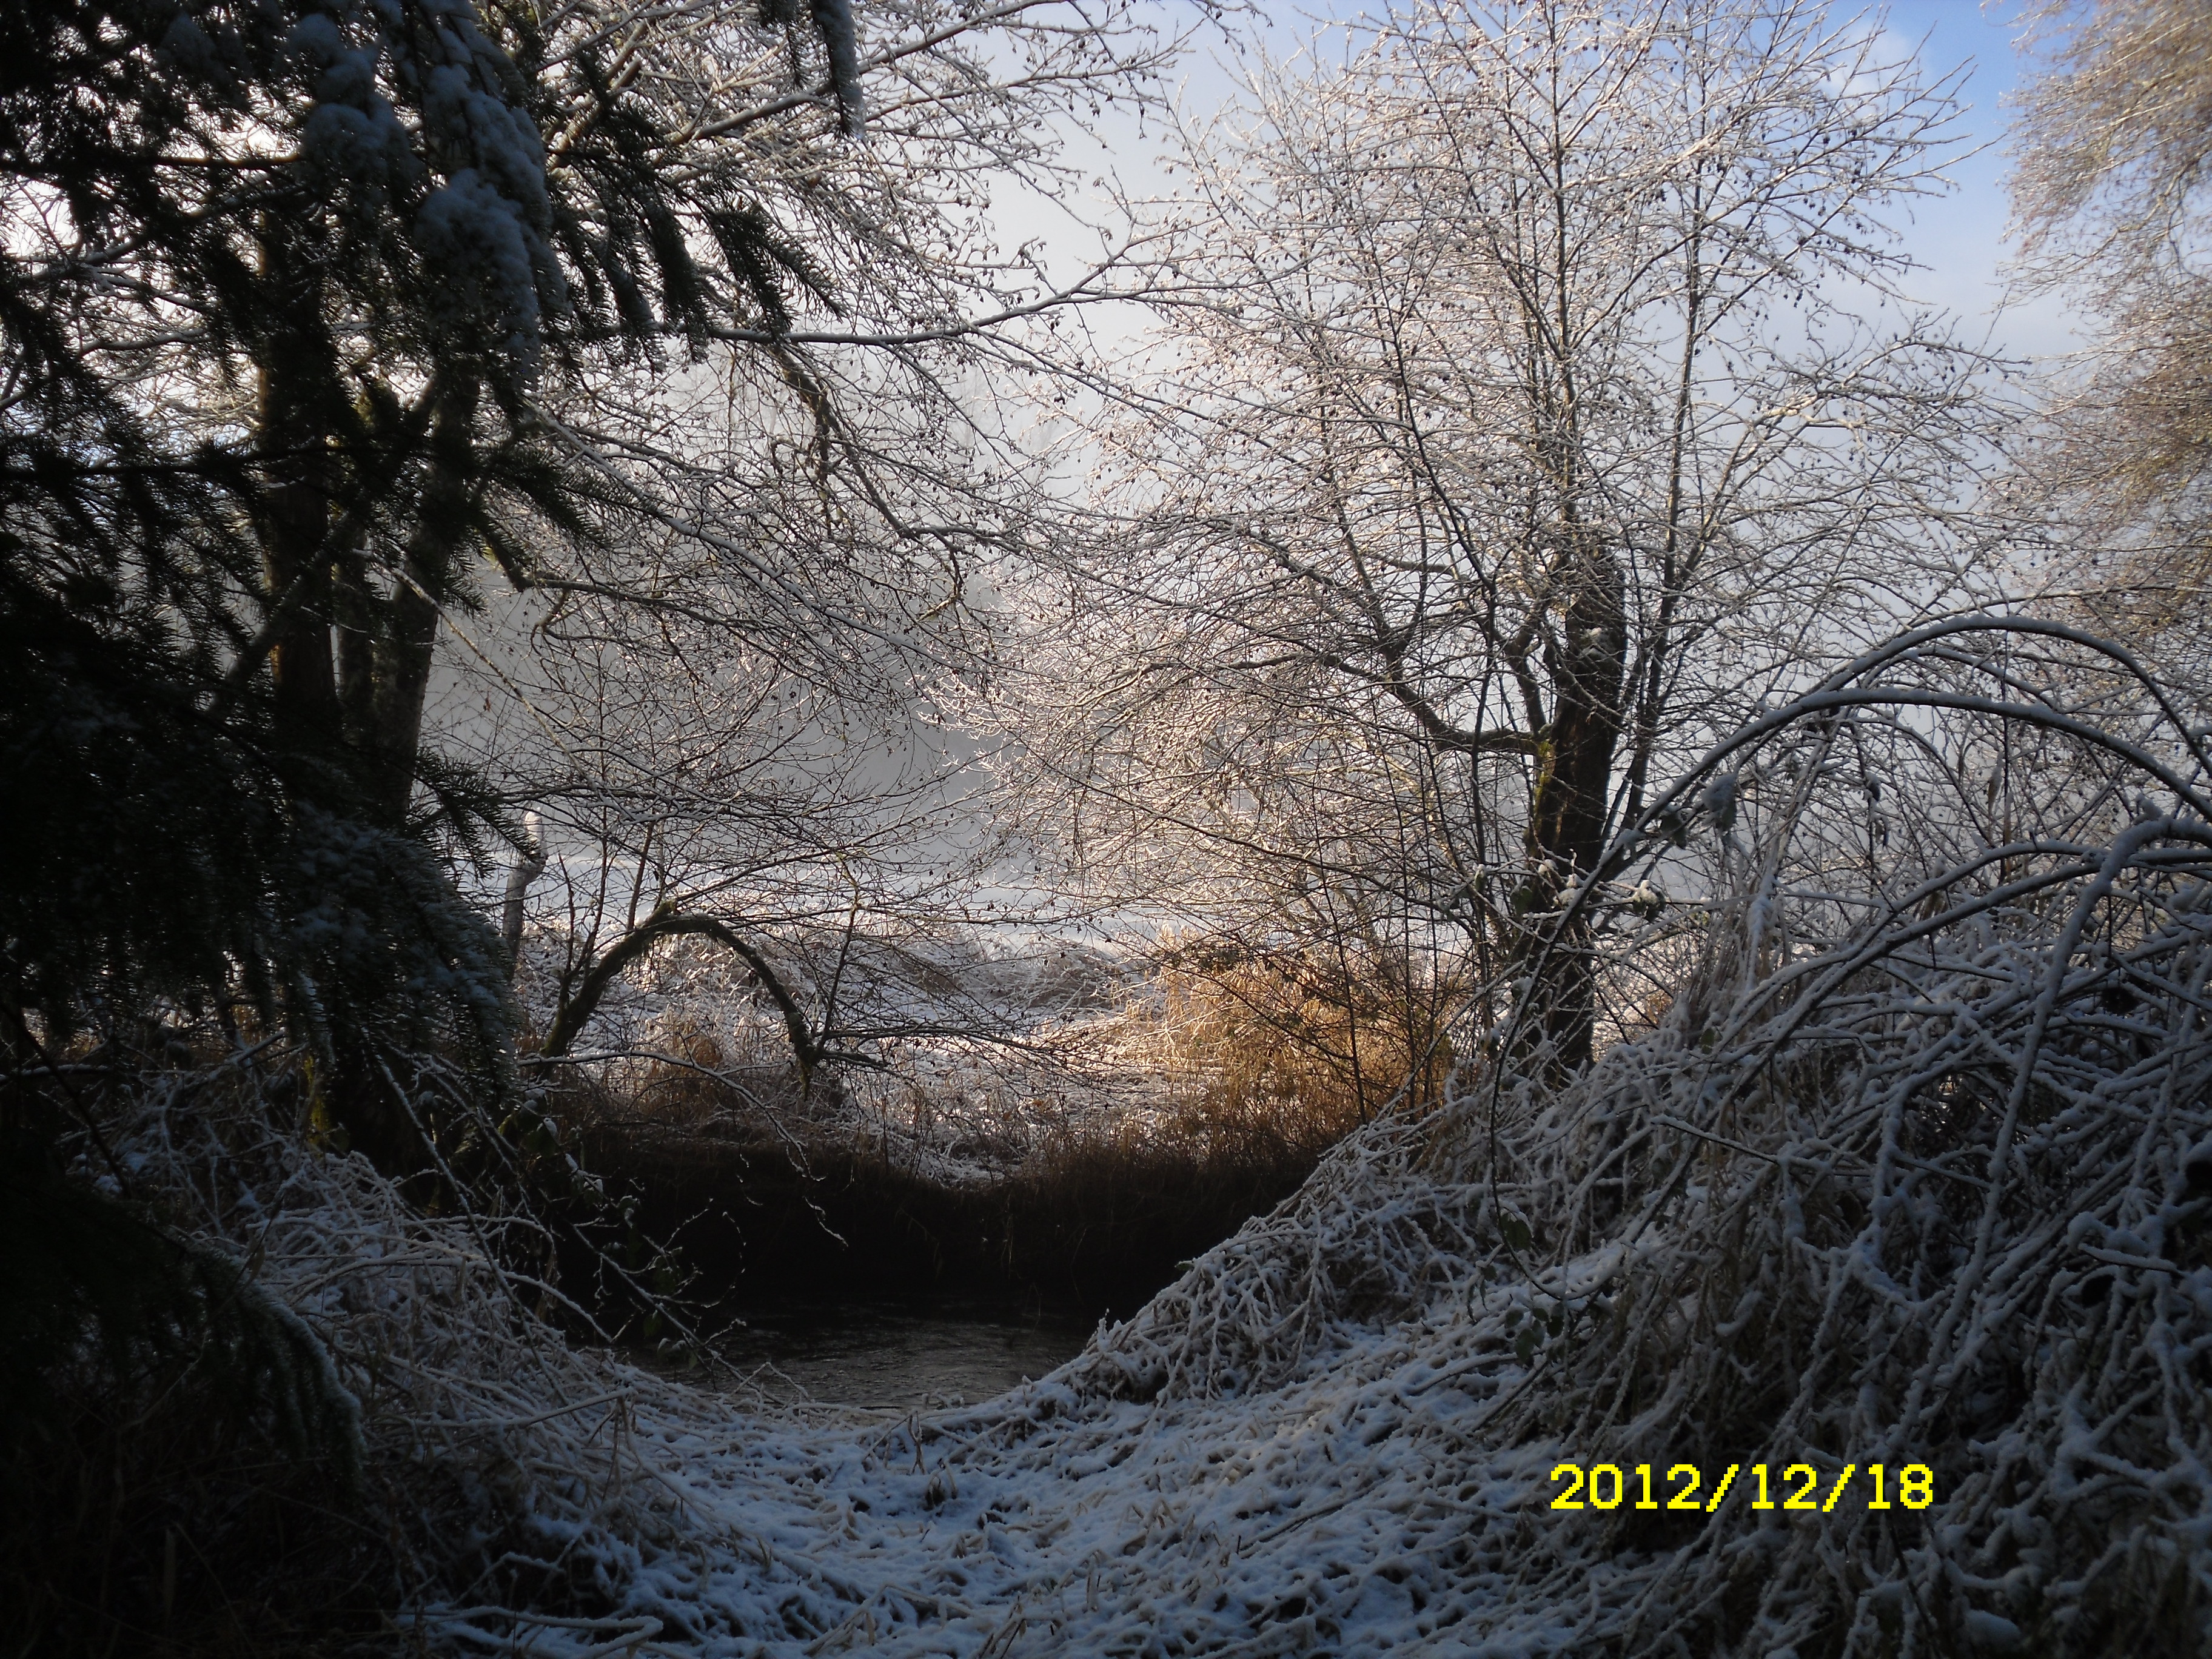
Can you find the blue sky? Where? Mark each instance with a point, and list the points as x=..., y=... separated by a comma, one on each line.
x=1959, y=238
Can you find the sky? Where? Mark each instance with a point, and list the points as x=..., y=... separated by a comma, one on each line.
x=1959, y=238
x=1962, y=239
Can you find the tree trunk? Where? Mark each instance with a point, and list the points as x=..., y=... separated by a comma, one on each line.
x=405, y=640
x=356, y=621
x=404, y=650
x=1567, y=813
x=292, y=437
x=529, y=865
x=297, y=510
x=359, y=696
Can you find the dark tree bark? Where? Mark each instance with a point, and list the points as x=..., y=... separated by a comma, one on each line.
x=1567, y=818
x=408, y=630
x=296, y=511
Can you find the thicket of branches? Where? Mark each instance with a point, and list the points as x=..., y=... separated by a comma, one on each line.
x=1916, y=1166
x=317, y=322
x=1533, y=396
x=489, y=493
x=2110, y=151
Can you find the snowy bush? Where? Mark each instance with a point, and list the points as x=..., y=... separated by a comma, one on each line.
x=1914, y=1168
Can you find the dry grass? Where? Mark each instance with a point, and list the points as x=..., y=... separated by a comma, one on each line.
x=1224, y=1083
x=1291, y=1042
x=1099, y=1217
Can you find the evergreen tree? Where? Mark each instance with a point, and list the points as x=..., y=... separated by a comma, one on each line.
x=281, y=284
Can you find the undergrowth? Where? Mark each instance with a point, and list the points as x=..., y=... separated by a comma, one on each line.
x=1915, y=1167
x=1912, y=1165
x=266, y=1402
x=1088, y=1175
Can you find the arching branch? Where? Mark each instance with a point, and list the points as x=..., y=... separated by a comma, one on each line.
x=666, y=921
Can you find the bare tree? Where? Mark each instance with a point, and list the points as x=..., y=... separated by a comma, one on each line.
x=1532, y=398
x=2114, y=139
x=721, y=687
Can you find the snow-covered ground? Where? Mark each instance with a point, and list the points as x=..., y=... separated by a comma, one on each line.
x=1132, y=1503
x=1916, y=1176
x=1335, y=1433
x=1314, y=1515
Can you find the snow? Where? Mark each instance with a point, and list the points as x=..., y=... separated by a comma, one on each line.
x=1334, y=1433
x=480, y=240
x=1907, y=1194
x=1313, y=1512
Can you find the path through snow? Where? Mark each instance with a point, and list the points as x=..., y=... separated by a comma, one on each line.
x=1347, y=1511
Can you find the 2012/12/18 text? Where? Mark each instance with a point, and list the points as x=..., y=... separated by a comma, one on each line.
x=1916, y=1488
